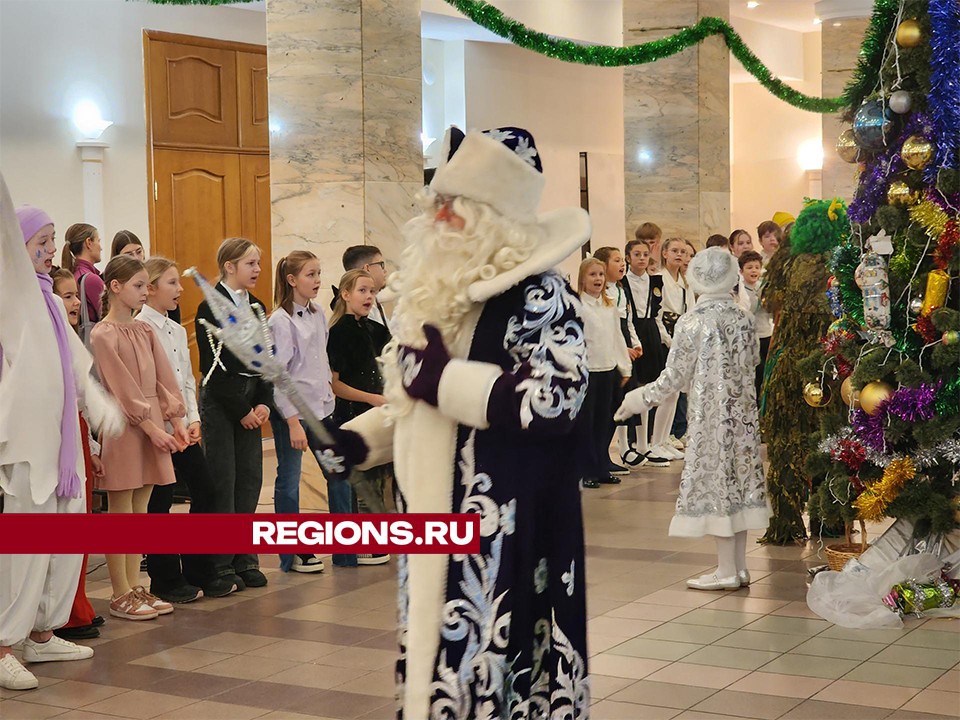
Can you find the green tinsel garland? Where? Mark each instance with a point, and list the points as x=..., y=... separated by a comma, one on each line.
x=947, y=400
x=866, y=76
x=492, y=19
x=489, y=17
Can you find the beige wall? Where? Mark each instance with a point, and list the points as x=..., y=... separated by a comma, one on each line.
x=766, y=133
x=46, y=67
x=568, y=108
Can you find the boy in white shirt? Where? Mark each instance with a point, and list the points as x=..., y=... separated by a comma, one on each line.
x=748, y=296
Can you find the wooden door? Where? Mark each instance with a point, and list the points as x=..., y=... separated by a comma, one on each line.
x=252, y=105
x=193, y=95
x=255, y=217
x=196, y=209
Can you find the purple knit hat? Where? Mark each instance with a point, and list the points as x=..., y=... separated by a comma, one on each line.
x=32, y=219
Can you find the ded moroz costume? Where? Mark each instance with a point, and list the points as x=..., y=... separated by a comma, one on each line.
x=484, y=380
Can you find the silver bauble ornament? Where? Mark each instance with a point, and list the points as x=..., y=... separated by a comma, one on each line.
x=916, y=306
x=900, y=102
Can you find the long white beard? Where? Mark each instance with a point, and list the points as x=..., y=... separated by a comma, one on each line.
x=437, y=267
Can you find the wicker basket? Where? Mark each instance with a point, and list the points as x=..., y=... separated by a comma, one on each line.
x=838, y=555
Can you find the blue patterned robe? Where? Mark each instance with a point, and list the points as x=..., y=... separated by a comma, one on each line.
x=509, y=640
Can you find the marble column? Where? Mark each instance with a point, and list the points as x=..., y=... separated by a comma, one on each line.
x=345, y=151
x=677, y=125
x=843, y=23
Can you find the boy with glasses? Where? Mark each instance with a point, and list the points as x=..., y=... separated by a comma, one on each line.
x=369, y=259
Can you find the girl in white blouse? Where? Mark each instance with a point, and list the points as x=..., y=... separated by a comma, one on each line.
x=179, y=578
x=610, y=368
x=677, y=298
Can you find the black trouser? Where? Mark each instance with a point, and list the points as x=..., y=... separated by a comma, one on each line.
x=235, y=460
x=679, y=428
x=595, y=424
x=170, y=571
x=761, y=368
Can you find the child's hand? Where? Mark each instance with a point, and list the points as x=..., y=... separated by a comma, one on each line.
x=181, y=436
x=263, y=413
x=97, y=466
x=250, y=421
x=298, y=437
x=624, y=381
x=163, y=440
x=634, y=352
x=193, y=432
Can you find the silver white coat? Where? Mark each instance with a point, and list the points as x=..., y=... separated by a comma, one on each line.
x=713, y=357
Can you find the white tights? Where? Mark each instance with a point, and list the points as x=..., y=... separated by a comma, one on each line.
x=731, y=554
x=664, y=419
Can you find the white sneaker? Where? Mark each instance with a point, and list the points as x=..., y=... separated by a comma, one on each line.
x=677, y=443
x=14, y=676
x=373, y=559
x=307, y=564
x=54, y=649
x=666, y=451
x=712, y=582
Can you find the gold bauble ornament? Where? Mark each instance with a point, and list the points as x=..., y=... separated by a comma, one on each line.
x=814, y=395
x=847, y=147
x=851, y=397
x=909, y=34
x=899, y=193
x=872, y=395
x=916, y=152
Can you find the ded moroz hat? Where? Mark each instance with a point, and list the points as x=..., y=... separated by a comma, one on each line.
x=502, y=168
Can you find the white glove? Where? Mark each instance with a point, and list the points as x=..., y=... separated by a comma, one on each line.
x=632, y=404
x=102, y=411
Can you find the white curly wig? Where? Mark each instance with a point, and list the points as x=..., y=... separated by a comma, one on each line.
x=713, y=271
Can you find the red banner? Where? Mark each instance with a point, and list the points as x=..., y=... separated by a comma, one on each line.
x=183, y=533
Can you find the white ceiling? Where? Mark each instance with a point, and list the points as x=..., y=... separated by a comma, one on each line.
x=797, y=15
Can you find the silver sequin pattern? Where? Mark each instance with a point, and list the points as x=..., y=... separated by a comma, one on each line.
x=713, y=357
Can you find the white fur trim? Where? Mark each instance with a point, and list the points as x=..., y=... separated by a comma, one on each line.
x=465, y=389
x=565, y=231
x=377, y=433
x=426, y=442
x=753, y=518
x=486, y=170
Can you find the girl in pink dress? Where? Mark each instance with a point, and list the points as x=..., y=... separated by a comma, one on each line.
x=134, y=368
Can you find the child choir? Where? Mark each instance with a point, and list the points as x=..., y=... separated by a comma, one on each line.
x=207, y=434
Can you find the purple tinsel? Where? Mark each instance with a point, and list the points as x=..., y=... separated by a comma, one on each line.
x=869, y=428
x=873, y=183
x=913, y=404
x=944, y=95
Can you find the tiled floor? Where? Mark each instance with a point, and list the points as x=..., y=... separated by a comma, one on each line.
x=310, y=646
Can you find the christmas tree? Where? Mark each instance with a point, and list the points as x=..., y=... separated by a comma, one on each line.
x=892, y=356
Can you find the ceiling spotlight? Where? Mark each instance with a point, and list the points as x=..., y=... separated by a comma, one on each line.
x=817, y=21
x=752, y=4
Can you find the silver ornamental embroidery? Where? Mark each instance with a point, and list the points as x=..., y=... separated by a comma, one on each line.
x=554, y=352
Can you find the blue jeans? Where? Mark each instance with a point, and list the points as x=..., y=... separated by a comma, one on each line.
x=286, y=490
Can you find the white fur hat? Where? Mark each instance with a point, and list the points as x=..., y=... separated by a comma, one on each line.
x=713, y=271
x=502, y=168
x=498, y=167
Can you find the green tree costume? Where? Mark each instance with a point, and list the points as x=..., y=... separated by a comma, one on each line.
x=795, y=287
